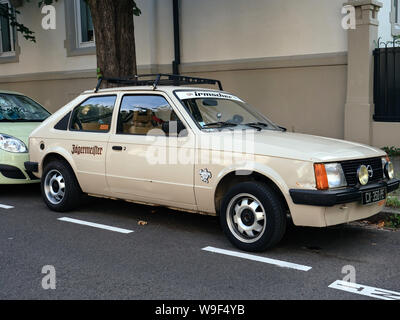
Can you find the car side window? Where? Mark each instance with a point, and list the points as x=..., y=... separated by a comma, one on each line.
x=94, y=114
x=144, y=114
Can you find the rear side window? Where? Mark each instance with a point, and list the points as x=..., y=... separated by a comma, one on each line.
x=93, y=115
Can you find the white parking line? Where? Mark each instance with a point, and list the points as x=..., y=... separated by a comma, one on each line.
x=96, y=225
x=279, y=263
x=3, y=206
x=365, y=290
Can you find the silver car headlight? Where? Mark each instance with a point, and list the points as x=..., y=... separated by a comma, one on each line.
x=384, y=161
x=335, y=175
x=388, y=168
x=12, y=144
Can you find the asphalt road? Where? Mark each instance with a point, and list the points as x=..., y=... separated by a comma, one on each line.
x=164, y=259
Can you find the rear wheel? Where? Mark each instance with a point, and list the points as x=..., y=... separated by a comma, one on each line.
x=60, y=189
x=253, y=216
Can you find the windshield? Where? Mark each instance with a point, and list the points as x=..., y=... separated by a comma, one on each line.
x=215, y=110
x=20, y=108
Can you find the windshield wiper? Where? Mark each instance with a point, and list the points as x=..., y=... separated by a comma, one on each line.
x=221, y=124
x=257, y=125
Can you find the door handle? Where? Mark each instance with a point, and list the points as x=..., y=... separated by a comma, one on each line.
x=117, y=148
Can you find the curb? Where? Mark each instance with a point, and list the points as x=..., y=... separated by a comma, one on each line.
x=389, y=210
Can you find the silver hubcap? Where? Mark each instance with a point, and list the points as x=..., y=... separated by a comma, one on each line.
x=246, y=218
x=54, y=187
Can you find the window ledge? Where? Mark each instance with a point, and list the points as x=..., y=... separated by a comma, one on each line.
x=73, y=51
x=10, y=57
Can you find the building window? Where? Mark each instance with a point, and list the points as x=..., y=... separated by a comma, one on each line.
x=7, y=46
x=80, y=38
x=395, y=17
x=84, y=24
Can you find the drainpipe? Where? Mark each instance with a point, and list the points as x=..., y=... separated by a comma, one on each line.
x=177, y=41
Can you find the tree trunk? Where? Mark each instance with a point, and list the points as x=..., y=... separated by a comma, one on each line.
x=115, y=38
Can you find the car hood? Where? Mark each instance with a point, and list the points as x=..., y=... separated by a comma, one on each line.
x=297, y=146
x=20, y=130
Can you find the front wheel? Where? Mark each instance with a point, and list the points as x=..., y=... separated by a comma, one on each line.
x=253, y=216
x=60, y=189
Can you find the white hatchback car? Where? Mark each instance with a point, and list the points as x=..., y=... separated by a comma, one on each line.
x=204, y=151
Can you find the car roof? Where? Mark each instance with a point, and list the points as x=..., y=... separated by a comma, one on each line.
x=159, y=88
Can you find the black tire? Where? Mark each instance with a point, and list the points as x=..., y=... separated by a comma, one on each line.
x=274, y=225
x=72, y=191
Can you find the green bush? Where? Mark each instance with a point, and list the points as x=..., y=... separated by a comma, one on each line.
x=392, y=151
x=394, y=221
x=393, y=202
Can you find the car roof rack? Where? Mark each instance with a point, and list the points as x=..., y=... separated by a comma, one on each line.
x=159, y=79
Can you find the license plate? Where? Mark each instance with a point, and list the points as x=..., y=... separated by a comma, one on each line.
x=373, y=196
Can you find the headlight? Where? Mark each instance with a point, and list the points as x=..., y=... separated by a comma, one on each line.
x=329, y=176
x=388, y=168
x=384, y=161
x=11, y=144
x=336, y=178
x=363, y=175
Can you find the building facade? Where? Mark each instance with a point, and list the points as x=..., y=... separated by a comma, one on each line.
x=288, y=58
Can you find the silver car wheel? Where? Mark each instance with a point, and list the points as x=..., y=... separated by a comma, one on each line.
x=246, y=218
x=54, y=187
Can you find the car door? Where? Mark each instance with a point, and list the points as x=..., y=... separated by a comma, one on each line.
x=87, y=138
x=147, y=160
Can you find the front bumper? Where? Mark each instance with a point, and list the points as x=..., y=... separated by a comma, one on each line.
x=331, y=198
x=12, y=169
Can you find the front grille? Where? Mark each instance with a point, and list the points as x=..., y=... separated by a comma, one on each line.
x=350, y=170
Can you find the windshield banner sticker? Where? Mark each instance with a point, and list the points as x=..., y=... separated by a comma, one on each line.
x=184, y=95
